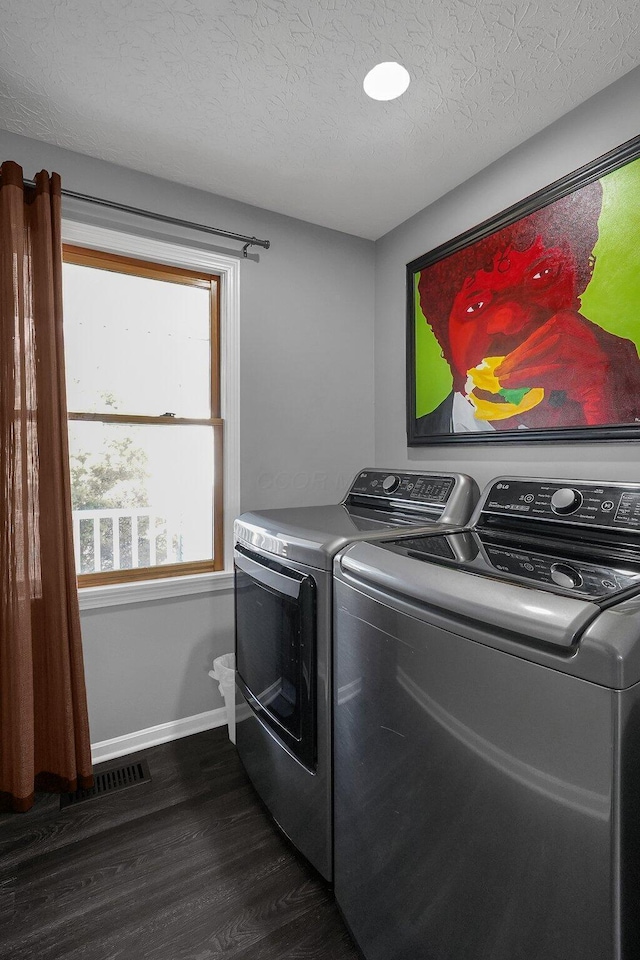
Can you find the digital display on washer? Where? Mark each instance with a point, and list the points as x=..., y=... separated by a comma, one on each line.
x=568, y=573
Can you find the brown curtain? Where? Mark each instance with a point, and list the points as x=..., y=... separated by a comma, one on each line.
x=44, y=730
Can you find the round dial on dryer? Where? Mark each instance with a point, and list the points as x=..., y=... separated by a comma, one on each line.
x=566, y=500
x=390, y=483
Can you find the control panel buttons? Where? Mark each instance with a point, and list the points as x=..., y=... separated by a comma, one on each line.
x=612, y=506
x=564, y=575
x=390, y=483
x=420, y=490
x=566, y=500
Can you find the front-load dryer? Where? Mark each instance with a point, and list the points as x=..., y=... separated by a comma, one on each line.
x=283, y=560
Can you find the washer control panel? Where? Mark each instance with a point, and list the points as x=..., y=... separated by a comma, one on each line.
x=579, y=502
x=415, y=488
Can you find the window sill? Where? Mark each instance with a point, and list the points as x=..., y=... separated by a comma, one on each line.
x=147, y=591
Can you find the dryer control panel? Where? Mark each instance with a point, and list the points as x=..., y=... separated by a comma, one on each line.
x=612, y=506
x=407, y=487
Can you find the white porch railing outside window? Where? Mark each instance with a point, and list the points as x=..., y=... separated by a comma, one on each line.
x=125, y=539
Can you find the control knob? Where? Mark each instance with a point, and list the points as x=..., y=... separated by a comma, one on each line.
x=566, y=500
x=564, y=575
x=390, y=483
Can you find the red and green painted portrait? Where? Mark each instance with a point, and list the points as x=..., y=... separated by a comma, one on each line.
x=531, y=322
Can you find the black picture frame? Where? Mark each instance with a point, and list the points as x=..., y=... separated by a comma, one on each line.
x=609, y=162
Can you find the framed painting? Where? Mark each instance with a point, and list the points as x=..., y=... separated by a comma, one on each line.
x=527, y=327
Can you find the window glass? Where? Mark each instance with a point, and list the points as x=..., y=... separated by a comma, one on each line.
x=136, y=345
x=142, y=495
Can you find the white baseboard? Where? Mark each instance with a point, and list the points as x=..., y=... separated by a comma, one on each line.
x=141, y=739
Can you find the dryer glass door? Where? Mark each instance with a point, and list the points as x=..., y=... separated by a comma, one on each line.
x=275, y=648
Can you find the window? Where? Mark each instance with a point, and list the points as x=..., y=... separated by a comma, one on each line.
x=142, y=344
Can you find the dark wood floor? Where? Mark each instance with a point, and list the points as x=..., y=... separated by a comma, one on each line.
x=187, y=867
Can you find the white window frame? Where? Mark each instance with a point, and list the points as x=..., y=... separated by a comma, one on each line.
x=178, y=254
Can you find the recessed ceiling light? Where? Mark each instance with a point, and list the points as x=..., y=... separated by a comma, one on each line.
x=386, y=81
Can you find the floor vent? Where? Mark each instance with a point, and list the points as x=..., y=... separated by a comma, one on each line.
x=108, y=781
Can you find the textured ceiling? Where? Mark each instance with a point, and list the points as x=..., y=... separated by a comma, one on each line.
x=262, y=101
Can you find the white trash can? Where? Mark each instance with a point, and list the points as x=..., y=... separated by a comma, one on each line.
x=224, y=671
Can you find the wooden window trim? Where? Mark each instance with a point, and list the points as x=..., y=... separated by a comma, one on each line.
x=140, y=418
x=84, y=256
x=147, y=573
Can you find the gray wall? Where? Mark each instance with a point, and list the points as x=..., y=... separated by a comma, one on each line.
x=306, y=422
x=599, y=125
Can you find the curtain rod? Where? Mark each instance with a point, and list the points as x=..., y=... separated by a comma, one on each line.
x=123, y=208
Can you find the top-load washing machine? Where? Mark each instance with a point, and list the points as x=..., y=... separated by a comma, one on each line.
x=283, y=560
x=487, y=731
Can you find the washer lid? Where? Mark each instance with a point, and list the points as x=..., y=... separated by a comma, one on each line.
x=572, y=569
x=598, y=641
x=466, y=597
